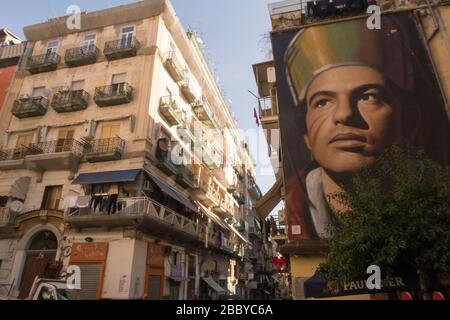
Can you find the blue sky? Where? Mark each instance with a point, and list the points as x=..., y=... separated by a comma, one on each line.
x=234, y=32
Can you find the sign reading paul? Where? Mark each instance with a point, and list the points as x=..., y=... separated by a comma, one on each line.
x=345, y=94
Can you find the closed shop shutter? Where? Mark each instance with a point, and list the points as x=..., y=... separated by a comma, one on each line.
x=90, y=279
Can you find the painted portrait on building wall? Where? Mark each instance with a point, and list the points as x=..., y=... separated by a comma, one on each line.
x=348, y=93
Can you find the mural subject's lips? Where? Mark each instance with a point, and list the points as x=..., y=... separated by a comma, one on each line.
x=349, y=140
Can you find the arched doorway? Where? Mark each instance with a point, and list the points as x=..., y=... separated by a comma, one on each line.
x=40, y=253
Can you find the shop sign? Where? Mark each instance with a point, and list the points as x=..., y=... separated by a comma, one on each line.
x=89, y=252
x=155, y=255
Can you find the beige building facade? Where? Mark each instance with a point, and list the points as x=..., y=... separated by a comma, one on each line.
x=119, y=155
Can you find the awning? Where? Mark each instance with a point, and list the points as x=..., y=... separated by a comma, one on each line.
x=172, y=193
x=107, y=177
x=214, y=285
x=271, y=199
x=15, y=187
x=239, y=235
x=213, y=217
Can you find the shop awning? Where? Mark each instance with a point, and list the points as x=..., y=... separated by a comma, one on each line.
x=16, y=188
x=214, y=285
x=167, y=189
x=107, y=177
x=271, y=199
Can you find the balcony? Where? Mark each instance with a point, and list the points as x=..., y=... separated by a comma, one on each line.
x=113, y=95
x=205, y=193
x=225, y=209
x=185, y=131
x=188, y=90
x=81, y=56
x=140, y=212
x=111, y=149
x=166, y=165
x=211, y=157
x=168, y=109
x=70, y=101
x=43, y=63
x=173, y=66
x=122, y=48
x=185, y=178
x=10, y=54
x=203, y=112
x=254, y=190
x=30, y=107
x=62, y=154
x=240, y=198
x=11, y=159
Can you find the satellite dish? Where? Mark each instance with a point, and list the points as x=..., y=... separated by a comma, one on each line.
x=16, y=207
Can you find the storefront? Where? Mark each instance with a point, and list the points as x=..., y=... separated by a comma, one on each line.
x=155, y=273
x=91, y=258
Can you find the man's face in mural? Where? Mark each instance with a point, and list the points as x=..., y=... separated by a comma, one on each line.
x=351, y=117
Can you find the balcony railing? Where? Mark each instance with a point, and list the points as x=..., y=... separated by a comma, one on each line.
x=173, y=66
x=57, y=146
x=43, y=63
x=13, y=154
x=211, y=157
x=188, y=90
x=240, y=198
x=166, y=165
x=268, y=108
x=69, y=101
x=30, y=107
x=105, y=150
x=123, y=48
x=156, y=217
x=113, y=95
x=203, y=112
x=81, y=56
x=168, y=108
x=185, y=178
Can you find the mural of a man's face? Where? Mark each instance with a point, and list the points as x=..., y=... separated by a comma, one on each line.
x=351, y=117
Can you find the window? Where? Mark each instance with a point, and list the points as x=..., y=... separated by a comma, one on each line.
x=24, y=140
x=52, y=48
x=89, y=42
x=77, y=85
x=118, y=83
x=110, y=131
x=38, y=92
x=126, y=37
x=65, y=140
x=52, y=198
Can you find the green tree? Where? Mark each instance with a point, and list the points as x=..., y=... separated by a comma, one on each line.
x=398, y=211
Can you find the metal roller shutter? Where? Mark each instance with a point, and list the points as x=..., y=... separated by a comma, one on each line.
x=90, y=278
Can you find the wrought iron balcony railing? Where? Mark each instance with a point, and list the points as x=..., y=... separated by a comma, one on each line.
x=166, y=164
x=174, y=66
x=68, y=101
x=105, y=150
x=80, y=56
x=56, y=146
x=113, y=95
x=168, y=108
x=30, y=107
x=13, y=154
x=43, y=63
x=121, y=48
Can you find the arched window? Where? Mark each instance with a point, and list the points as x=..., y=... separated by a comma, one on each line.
x=45, y=240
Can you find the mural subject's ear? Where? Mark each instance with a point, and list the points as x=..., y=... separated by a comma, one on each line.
x=308, y=144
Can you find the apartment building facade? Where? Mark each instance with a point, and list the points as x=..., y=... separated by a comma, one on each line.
x=426, y=22
x=121, y=157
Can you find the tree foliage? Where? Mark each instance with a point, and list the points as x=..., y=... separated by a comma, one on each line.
x=398, y=212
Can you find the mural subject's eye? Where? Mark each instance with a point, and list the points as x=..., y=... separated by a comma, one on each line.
x=322, y=103
x=371, y=98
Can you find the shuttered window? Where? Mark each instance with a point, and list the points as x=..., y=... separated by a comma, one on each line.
x=90, y=279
